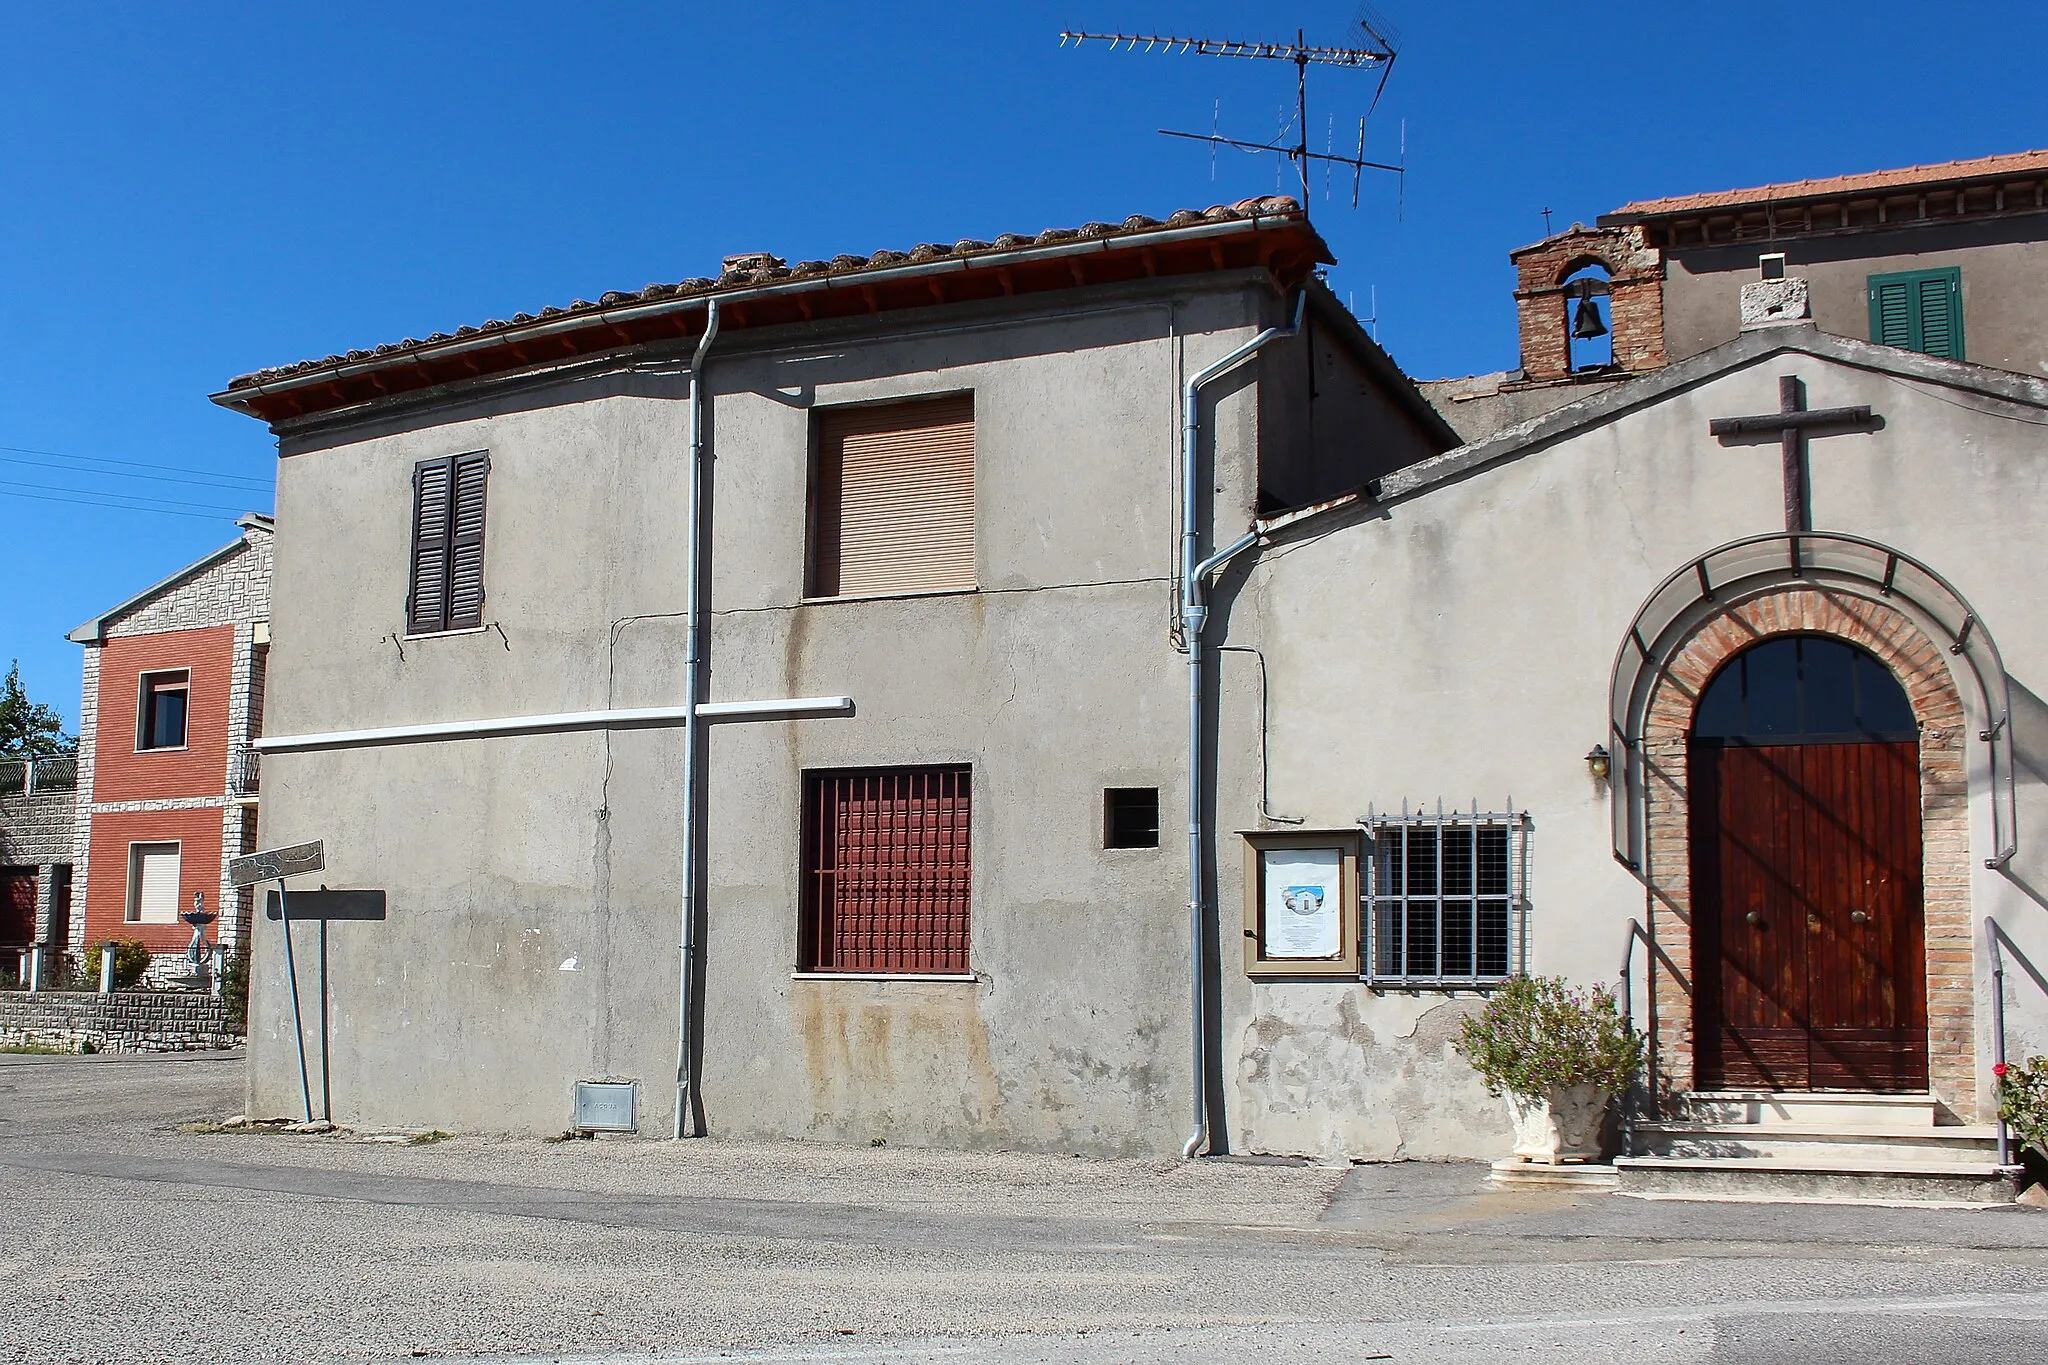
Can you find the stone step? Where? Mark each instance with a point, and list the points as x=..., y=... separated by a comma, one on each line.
x=1810, y=1108
x=1838, y=1145
x=1515, y=1171
x=1804, y=1180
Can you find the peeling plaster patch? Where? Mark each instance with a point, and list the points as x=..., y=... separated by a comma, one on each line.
x=879, y=1054
x=1328, y=1070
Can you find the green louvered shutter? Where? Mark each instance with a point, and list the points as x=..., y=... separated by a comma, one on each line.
x=1891, y=314
x=1919, y=310
x=1939, y=334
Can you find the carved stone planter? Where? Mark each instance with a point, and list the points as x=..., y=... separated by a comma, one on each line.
x=1560, y=1128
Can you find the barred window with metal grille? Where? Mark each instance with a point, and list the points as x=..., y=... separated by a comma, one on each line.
x=888, y=877
x=1445, y=898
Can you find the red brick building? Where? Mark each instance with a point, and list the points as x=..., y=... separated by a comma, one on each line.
x=167, y=782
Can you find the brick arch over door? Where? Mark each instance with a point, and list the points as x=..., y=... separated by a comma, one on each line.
x=1922, y=668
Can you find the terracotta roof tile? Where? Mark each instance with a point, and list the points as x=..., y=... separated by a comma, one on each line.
x=1835, y=187
x=761, y=269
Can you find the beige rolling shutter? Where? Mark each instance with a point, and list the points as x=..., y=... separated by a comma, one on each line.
x=895, y=495
x=153, y=882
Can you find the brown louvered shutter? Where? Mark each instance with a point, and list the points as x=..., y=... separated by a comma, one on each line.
x=447, y=544
x=427, y=606
x=895, y=499
x=466, y=545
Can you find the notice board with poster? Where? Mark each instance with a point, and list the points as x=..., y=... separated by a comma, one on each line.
x=1301, y=902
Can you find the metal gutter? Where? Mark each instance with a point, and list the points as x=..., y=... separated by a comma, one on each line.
x=1194, y=618
x=693, y=677
x=629, y=313
x=568, y=722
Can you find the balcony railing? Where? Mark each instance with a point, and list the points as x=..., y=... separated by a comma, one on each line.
x=245, y=771
x=27, y=776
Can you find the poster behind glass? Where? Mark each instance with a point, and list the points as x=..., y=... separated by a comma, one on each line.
x=1304, y=904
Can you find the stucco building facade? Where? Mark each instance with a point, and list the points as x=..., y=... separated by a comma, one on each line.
x=534, y=881
x=1465, y=711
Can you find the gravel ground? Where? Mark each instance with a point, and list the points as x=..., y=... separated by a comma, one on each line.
x=123, y=1238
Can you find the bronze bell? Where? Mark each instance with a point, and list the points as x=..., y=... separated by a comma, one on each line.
x=1586, y=324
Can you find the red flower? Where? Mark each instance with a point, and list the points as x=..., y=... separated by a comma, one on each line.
x=1999, y=1069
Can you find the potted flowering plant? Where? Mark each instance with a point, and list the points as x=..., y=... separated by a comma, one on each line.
x=1559, y=1054
x=2023, y=1100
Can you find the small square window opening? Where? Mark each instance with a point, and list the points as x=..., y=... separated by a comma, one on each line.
x=1130, y=817
x=160, y=713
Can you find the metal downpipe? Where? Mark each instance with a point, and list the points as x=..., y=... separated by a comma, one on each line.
x=1194, y=617
x=693, y=725
x=1998, y=1033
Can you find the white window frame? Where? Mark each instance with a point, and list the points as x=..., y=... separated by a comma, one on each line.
x=133, y=913
x=1387, y=905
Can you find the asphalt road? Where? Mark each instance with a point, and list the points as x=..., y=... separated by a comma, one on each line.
x=123, y=1238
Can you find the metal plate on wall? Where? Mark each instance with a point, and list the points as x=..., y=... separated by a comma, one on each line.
x=325, y=904
x=605, y=1106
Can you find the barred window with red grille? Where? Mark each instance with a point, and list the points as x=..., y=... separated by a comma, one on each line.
x=887, y=872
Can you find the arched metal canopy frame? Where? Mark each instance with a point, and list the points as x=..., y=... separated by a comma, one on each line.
x=1740, y=569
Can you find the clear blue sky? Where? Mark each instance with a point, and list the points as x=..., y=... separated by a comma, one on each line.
x=193, y=191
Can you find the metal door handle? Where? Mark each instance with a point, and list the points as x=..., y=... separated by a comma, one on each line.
x=1754, y=918
x=1858, y=917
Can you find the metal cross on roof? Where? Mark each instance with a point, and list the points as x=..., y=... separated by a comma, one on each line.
x=1792, y=421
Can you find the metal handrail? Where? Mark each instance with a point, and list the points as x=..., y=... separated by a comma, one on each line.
x=1991, y=937
x=28, y=776
x=246, y=772
x=1628, y=1023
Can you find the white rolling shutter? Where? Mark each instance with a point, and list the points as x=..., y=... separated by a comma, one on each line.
x=153, y=883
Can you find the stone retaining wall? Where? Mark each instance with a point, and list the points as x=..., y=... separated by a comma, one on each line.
x=39, y=828
x=126, y=1021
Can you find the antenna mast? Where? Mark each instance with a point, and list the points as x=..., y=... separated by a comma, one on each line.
x=1379, y=52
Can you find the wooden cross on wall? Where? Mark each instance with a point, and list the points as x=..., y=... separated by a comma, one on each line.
x=1792, y=421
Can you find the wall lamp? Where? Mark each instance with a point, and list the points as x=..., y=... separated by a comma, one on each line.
x=1598, y=763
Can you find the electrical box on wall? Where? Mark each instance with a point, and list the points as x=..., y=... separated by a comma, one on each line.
x=1301, y=903
x=606, y=1107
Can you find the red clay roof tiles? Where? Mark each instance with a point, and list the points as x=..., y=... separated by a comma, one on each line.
x=1840, y=186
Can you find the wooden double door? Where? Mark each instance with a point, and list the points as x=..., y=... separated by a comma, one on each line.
x=1809, y=954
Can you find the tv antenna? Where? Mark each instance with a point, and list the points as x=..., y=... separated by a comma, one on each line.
x=1378, y=52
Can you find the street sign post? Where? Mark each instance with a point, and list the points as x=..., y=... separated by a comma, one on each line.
x=275, y=865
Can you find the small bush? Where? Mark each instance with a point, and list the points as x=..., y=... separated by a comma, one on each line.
x=234, y=990
x=67, y=973
x=131, y=963
x=2023, y=1100
x=1538, y=1035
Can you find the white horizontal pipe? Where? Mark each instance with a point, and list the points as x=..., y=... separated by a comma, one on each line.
x=639, y=718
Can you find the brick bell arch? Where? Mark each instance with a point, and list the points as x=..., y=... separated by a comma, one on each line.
x=1920, y=665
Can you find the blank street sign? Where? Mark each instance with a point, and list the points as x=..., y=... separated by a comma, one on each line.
x=273, y=864
x=328, y=905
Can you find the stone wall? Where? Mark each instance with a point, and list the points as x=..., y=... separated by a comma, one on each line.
x=38, y=828
x=126, y=1021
